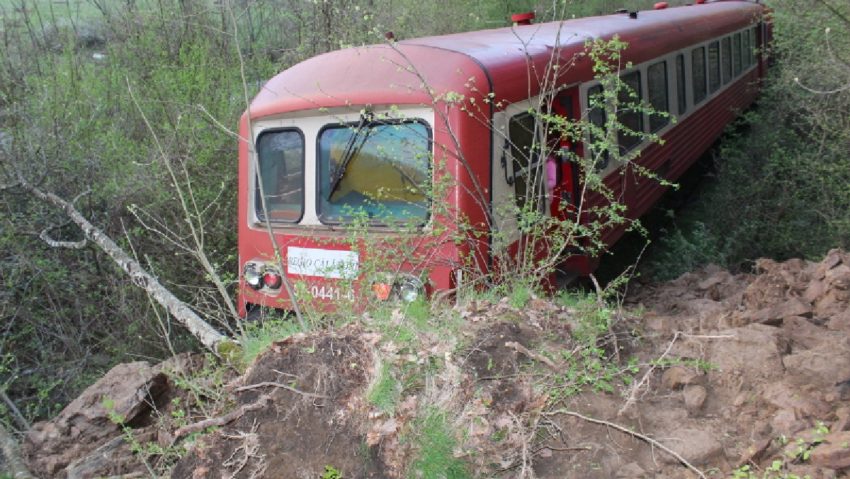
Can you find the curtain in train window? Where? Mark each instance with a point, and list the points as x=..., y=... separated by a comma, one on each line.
x=656, y=82
x=280, y=154
x=628, y=115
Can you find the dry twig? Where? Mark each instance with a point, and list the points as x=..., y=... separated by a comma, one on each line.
x=638, y=385
x=272, y=384
x=260, y=403
x=537, y=357
x=630, y=432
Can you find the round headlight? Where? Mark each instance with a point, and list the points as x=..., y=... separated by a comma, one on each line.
x=409, y=288
x=253, y=278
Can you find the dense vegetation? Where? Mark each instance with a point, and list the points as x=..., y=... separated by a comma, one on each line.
x=781, y=187
x=125, y=105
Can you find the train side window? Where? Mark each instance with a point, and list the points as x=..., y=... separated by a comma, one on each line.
x=736, y=55
x=755, y=43
x=713, y=66
x=751, y=51
x=656, y=82
x=698, y=73
x=596, y=115
x=523, y=137
x=746, y=50
x=629, y=117
x=681, y=83
x=726, y=59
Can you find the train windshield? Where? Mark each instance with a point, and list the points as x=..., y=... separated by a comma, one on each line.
x=375, y=170
x=281, y=157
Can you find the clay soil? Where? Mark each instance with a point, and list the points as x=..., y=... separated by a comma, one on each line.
x=725, y=372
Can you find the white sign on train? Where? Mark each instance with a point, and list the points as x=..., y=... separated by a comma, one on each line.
x=323, y=263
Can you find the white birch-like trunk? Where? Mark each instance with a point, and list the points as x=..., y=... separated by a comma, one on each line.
x=206, y=334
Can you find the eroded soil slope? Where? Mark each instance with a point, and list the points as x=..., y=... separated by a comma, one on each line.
x=707, y=375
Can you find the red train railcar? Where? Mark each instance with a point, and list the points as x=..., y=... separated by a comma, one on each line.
x=357, y=136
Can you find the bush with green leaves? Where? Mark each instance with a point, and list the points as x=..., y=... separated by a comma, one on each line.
x=780, y=186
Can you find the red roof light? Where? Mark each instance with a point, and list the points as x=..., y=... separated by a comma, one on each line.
x=522, y=18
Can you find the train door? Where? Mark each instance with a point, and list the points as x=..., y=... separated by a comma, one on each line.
x=564, y=196
x=528, y=171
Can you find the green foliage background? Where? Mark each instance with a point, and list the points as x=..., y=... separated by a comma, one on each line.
x=69, y=123
x=782, y=174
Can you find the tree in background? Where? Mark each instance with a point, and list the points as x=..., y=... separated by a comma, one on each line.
x=782, y=175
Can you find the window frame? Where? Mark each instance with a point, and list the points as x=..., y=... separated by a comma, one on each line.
x=737, y=59
x=681, y=84
x=686, y=53
x=704, y=82
x=345, y=220
x=726, y=60
x=257, y=201
x=639, y=114
x=664, y=120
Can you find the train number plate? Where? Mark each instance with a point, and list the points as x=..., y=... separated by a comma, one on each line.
x=322, y=263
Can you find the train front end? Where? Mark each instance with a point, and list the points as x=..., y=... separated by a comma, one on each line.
x=337, y=207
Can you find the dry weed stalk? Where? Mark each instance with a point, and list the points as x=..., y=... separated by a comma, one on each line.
x=249, y=447
x=630, y=432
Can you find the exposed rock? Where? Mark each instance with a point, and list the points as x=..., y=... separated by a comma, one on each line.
x=840, y=322
x=695, y=445
x=785, y=396
x=754, y=351
x=113, y=457
x=785, y=422
x=124, y=394
x=804, y=334
x=842, y=422
x=820, y=366
x=775, y=314
x=694, y=396
x=631, y=470
x=833, y=452
x=677, y=377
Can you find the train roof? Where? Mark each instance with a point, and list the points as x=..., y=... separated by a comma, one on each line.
x=419, y=70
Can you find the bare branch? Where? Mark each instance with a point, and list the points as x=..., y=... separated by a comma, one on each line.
x=45, y=236
x=260, y=403
x=267, y=384
x=205, y=333
x=12, y=459
x=632, y=433
x=638, y=385
x=16, y=413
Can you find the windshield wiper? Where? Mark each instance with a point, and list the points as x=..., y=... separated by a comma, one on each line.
x=349, y=152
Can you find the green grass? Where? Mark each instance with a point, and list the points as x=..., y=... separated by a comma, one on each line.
x=259, y=336
x=385, y=392
x=435, y=443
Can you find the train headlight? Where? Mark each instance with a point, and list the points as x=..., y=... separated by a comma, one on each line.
x=272, y=279
x=409, y=288
x=252, y=276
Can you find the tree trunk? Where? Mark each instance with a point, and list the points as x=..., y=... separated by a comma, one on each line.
x=11, y=462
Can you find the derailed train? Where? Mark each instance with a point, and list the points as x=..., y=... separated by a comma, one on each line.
x=361, y=137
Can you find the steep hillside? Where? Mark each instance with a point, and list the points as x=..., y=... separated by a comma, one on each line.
x=711, y=374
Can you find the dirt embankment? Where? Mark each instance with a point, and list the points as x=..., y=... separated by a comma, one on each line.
x=706, y=375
